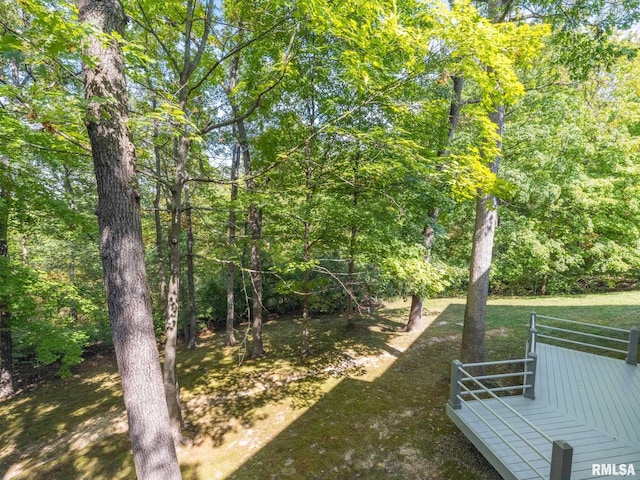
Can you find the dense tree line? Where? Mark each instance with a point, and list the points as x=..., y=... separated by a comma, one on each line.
x=275, y=157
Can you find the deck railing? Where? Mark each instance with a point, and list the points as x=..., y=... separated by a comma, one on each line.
x=626, y=337
x=561, y=454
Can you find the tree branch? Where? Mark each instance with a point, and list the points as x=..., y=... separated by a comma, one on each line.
x=147, y=27
x=233, y=51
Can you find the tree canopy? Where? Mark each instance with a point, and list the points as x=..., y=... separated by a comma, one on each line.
x=311, y=156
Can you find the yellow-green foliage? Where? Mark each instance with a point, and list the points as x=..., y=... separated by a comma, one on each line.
x=407, y=273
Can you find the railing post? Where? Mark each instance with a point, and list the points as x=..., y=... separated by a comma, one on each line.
x=531, y=342
x=456, y=377
x=530, y=379
x=561, y=459
x=632, y=353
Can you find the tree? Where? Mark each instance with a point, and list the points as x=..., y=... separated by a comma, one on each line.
x=31, y=159
x=121, y=247
x=592, y=24
x=472, y=349
x=182, y=143
x=6, y=342
x=572, y=223
x=190, y=325
x=415, y=312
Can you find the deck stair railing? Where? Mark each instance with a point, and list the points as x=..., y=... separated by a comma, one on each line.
x=543, y=330
x=561, y=454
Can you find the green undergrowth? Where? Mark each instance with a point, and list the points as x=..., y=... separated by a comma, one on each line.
x=369, y=403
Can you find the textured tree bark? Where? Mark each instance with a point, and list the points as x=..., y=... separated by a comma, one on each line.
x=191, y=283
x=481, y=255
x=170, y=376
x=160, y=251
x=255, y=223
x=121, y=247
x=191, y=56
x=478, y=289
x=255, y=228
x=230, y=338
x=181, y=148
x=6, y=340
x=415, y=322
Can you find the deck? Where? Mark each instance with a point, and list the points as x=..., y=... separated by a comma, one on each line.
x=590, y=401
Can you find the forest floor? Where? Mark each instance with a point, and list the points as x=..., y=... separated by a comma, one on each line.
x=368, y=404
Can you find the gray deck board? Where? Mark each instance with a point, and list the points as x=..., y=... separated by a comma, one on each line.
x=600, y=390
x=587, y=400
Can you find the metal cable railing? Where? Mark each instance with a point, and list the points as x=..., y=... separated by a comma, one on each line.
x=523, y=386
x=465, y=385
x=631, y=340
x=505, y=441
x=464, y=376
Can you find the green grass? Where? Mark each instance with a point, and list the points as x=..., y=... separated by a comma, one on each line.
x=368, y=404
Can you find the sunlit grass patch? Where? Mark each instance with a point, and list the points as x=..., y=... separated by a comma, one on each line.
x=369, y=403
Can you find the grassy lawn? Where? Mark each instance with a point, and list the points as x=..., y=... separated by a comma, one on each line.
x=369, y=403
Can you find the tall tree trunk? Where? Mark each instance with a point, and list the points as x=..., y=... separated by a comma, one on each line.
x=351, y=267
x=6, y=340
x=351, y=274
x=415, y=313
x=160, y=251
x=229, y=338
x=191, y=56
x=306, y=254
x=191, y=283
x=255, y=223
x=121, y=246
x=306, y=293
x=415, y=322
x=481, y=255
x=255, y=227
x=170, y=376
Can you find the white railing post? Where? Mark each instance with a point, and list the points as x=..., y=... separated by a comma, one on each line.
x=531, y=341
x=561, y=459
x=530, y=378
x=456, y=378
x=632, y=354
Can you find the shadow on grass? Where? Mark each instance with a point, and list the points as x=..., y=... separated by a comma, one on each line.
x=395, y=427
x=221, y=395
x=59, y=429
x=392, y=426
x=389, y=427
